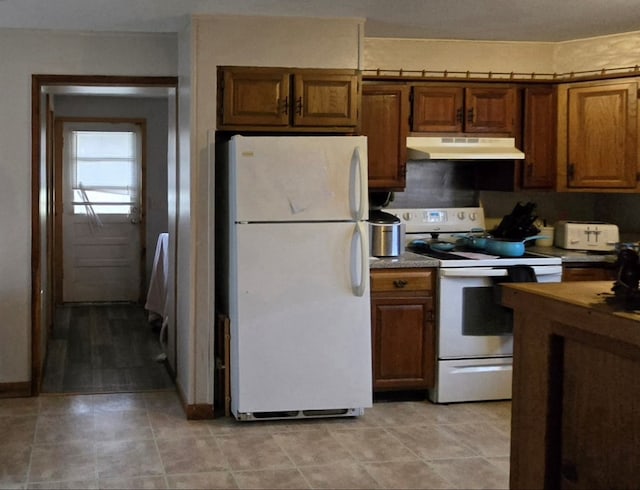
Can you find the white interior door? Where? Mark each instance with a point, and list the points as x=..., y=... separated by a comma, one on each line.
x=101, y=223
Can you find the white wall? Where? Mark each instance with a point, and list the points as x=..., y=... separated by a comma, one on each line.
x=452, y=55
x=616, y=51
x=24, y=53
x=181, y=228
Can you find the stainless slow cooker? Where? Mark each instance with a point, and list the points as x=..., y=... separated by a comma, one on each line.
x=386, y=234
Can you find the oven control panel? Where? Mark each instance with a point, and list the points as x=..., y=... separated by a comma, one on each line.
x=442, y=220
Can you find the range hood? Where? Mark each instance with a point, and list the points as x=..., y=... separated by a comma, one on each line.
x=462, y=148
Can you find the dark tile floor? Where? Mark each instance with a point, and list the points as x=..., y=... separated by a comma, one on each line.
x=103, y=348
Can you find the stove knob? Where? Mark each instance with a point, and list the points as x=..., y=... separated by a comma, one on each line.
x=406, y=216
x=460, y=215
x=472, y=216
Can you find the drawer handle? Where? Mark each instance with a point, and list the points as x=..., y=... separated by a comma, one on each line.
x=400, y=283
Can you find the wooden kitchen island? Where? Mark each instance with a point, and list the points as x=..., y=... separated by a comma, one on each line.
x=576, y=388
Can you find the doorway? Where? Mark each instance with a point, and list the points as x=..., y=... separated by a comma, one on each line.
x=99, y=169
x=91, y=255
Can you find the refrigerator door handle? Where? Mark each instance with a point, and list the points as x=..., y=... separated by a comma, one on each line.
x=359, y=257
x=359, y=185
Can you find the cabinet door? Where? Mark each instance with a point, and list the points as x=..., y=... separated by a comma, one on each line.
x=385, y=122
x=602, y=136
x=599, y=424
x=403, y=342
x=255, y=97
x=490, y=109
x=539, y=138
x=326, y=99
x=438, y=109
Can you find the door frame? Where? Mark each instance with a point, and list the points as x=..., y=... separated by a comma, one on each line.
x=58, y=242
x=42, y=201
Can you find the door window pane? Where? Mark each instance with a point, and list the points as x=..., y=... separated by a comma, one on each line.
x=104, y=173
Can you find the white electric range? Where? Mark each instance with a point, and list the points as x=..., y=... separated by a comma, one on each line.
x=474, y=331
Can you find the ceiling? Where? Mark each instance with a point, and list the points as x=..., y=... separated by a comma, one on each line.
x=515, y=20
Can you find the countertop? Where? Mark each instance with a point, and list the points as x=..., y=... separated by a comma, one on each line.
x=406, y=260
x=575, y=256
x=410, y=259
x=595, y=296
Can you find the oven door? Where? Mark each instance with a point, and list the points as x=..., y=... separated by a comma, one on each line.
x=471, y=322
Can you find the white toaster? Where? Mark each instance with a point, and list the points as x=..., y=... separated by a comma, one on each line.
x=586, y=235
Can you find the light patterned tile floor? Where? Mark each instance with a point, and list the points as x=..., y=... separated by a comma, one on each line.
x=142, y=440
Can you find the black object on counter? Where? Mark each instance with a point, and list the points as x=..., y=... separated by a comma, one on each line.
x=519, y=224
x=625, y=287
x=382, y=217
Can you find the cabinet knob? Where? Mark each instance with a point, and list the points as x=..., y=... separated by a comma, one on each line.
x=400, y=283
x=299, y=106
x=459, y=116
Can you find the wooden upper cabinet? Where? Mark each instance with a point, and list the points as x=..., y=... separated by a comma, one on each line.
x=540, y=115
x=455, y=109
x=602, y=136
x=255, y=97
x=275, y=99
x=385, y=122
x=490, y=110
x=325, y=99
x=438, y=109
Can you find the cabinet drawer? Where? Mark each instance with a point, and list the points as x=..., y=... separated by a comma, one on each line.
x=385, y=280
x=588, y=274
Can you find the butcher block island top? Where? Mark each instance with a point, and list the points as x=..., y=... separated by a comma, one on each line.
x=596, y=296
x=576, y=387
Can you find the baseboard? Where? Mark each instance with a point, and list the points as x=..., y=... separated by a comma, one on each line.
x=200, y=411
x=15, y=390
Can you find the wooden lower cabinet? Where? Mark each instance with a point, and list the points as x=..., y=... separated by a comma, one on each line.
x=403, y=332
x=576, y=382
x=585, y=273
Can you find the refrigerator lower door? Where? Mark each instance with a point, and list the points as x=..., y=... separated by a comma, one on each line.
x=300, y=320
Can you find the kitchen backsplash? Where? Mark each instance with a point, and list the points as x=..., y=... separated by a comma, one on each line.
x=436, y=184
x=620, y=209
x=451, y=184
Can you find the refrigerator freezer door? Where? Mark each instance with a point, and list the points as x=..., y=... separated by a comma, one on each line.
x=300, y=333
x=298, y=178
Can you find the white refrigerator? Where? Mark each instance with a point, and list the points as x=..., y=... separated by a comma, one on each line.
x=296, y=278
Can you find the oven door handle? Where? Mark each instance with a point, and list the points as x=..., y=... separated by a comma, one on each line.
x=495, y=272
